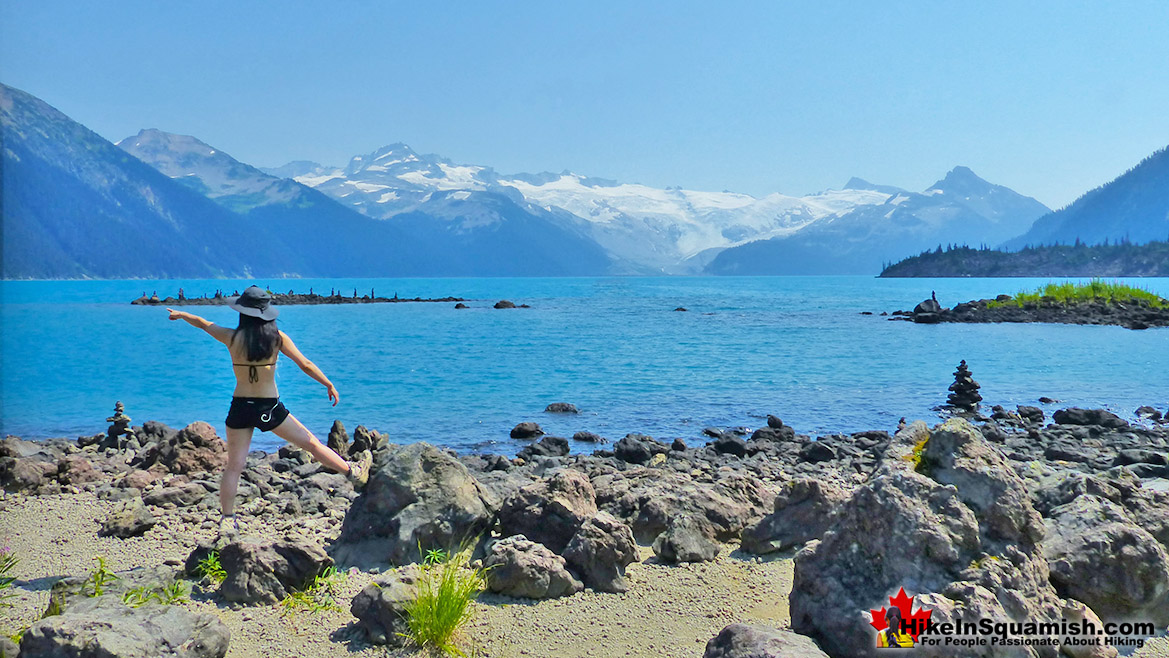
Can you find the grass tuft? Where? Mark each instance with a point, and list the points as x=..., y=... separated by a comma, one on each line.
x=211, y=568
x=171, y=594
x=1096, y=290
x=99, y=579
x=317, y=595
x=8, y=562
x=447, y=587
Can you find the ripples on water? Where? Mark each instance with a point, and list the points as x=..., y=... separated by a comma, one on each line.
x=793, y=346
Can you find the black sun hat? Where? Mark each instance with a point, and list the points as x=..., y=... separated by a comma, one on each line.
x=256, y=302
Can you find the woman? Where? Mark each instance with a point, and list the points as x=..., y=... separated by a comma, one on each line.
x=254, y=346
x=893, y=636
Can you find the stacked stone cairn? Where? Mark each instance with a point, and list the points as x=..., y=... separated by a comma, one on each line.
x=964, y=391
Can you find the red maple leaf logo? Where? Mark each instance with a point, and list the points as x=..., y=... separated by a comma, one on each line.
x=905, y=604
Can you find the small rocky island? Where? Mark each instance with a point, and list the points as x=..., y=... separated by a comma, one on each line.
x=221, y=298
x=1097, y=303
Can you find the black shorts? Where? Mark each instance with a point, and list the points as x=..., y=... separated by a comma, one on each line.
x=263, y=413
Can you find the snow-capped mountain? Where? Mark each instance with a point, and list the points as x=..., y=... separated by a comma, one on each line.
x=659, y=230
x=961, y=209
x=439, y=232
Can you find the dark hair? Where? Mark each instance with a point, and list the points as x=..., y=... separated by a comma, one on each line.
x=893, y=618
x=261, y=337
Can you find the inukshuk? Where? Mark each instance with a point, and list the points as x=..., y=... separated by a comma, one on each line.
x=964, y=391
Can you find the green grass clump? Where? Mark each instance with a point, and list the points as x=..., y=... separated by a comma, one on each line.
x=317, y=595
x=8, y=561
x=1096, y=290
x=442, y=605
x=171, y=594
x=99, y=579
x=211, y=568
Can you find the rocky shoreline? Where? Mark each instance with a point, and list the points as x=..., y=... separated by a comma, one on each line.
x=220, y=298
x=1135, y=315
x=1006, y=516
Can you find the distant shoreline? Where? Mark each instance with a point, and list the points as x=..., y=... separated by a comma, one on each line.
x=1078, y=260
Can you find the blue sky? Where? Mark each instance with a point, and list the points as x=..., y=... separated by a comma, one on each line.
x=1051, y=98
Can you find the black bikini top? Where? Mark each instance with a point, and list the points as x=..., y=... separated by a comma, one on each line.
x=253, y=374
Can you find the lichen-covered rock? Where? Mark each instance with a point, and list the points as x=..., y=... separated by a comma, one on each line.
x=964, y=542
x=803, y=512
x=522, y=568
x=754, y=641
x=103, y=626
x=600, y=550
x=380, y=608
x=550, y=511
x=417, y=495
x=262, y=573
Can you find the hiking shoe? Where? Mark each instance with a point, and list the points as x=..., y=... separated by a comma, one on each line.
x=228, y=527
x=359, y=469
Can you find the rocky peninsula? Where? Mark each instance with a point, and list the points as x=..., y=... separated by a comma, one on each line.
x=762, y=542
x=1142, y=312
x=221, y=298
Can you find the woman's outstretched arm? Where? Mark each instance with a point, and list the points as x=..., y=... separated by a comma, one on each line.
x=288, y=348
x=221, y=334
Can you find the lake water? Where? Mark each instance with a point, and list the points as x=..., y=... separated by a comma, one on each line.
x=796, y=347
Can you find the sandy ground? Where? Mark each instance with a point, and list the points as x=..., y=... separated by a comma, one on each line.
x=668, y=610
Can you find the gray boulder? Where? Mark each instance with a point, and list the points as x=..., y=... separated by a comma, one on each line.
x=946, y=517
x=561, y=408
x=754, y=641
x=686, y=540
x=182, y=495
x=129, y=519
x=803, y=511
x=380, y=608
x=367, y=439
x=550, y=511
x=104, y=627
x=600, y=551
x=650, y=499
x=417, y=495
x=8, y=648
x=1098, y=555
x=526, y=569
x=266, y=573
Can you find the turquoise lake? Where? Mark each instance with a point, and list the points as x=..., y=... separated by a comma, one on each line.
x=796, y=347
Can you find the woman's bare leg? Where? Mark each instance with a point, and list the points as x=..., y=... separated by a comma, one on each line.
x=238, y=442
x=292, y=431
